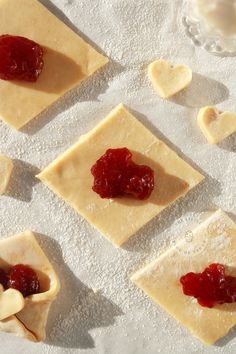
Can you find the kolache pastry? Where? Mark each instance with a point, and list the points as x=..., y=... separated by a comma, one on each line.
x=216, y=125
x=119, y=176
x=195, y=280
x=6, y=167
x=168, y=79
x=28, y=286
x=41, y=59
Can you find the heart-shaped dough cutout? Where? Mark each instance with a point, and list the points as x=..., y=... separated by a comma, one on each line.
x=168, y=79
x=11, y=302
x=6, y=167
x=216, y=125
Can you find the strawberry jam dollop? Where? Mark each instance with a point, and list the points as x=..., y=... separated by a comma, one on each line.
x=211, y=287
x=20, y=58
x=24, y=279
x=116, y=175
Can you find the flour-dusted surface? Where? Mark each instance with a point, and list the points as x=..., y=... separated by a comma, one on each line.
x=116, y=317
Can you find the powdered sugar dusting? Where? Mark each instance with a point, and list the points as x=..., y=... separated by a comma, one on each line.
x=119, y=318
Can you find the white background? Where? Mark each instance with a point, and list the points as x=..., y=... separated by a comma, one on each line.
x=119, y=319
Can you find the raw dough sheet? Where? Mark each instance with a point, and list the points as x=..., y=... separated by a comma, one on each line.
x=119, y=318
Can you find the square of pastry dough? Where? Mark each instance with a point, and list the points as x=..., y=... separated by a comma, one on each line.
x=30, y=322
x=213, y=241
x=68, y=60
x=70, y=177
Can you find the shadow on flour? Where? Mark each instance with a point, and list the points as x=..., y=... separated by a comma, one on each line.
x=203, y=91
x=89, y=90
x=22, y=181
x=232, y=216
x=229, y=143
x=77, y=309
x=225, y=340
x=197, y=200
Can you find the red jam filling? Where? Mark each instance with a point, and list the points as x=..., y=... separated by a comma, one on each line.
x=211, y=287
x=20, y=58
x=20, y=277
x=116, y=175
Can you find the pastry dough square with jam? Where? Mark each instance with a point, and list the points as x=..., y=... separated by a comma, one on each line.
x=213, y=241
x=70, y=177
x=68, y=60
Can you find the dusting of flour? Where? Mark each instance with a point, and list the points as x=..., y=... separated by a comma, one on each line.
x=99, y=310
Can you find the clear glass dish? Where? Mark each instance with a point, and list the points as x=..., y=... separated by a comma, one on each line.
x=211, y=24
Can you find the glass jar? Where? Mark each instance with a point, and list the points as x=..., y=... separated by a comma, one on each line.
x=211, y=24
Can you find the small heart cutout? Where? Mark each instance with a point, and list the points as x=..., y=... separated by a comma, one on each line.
x=11, y=302
x=168, y=79
x=216, y=125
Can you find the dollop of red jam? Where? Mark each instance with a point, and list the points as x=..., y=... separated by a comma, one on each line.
x=211, y=287
x=116, y=175
x=20, y=58
x=20, y=277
